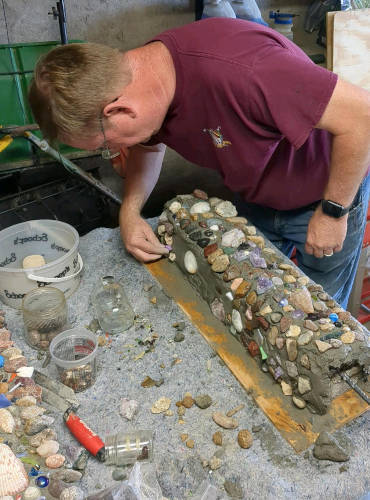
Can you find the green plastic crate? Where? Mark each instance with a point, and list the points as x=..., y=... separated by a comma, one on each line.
x=17, y=62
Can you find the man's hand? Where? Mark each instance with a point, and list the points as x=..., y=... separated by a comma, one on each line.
x=325, y=235
x=140, y=240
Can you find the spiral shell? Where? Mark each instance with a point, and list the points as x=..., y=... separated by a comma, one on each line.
x=13, y=477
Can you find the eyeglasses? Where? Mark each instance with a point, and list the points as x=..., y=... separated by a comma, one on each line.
x=106, y=153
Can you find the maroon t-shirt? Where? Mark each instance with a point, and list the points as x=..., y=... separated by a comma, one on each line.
x=246, y=103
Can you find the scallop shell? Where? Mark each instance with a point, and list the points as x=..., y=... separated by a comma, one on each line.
x=13, y=477
x=7, y=422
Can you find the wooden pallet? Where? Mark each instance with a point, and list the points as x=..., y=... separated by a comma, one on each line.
x=299, y=427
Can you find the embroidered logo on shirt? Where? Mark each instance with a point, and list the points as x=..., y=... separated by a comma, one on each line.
x=217, y=137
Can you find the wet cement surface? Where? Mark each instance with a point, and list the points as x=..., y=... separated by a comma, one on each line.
x=270, y=469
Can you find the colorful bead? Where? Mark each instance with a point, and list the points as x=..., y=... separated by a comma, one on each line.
x=42, y=481
x=283, y=302
x=333, y=317
x=33, y=472
x=2, y=360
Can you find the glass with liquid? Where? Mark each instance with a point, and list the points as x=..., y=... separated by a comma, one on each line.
x=112, y=308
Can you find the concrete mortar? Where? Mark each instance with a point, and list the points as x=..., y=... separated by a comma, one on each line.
x=270, y=469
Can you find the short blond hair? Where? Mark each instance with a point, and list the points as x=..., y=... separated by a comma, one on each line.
x=72, y=84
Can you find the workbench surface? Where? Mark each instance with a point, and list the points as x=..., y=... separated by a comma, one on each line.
x=270, y=469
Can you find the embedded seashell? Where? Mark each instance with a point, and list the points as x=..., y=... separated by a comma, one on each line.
x=174, y=207
x=48, y=448
x=13, y=476
x=7, y=422
x=233, y=238
x=190, y=262
x=30, y=412
x=236, y=320
x=31, y=493
x=55, y=461
x=225, y=209
x=301, y=299
x=200, y=207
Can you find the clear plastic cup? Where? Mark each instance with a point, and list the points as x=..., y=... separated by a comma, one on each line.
x=74, y=353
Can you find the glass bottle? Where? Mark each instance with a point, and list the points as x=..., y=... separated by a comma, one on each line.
x=112, y=308
x=125, y=448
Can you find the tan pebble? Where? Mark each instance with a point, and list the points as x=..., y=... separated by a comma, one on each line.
x=181, y=421
x=54, y=461
x=224, y=421
x=286, y=388
x=300, y=403
x=184, y=437
x=48, y=448
x=161, y=405
x=348, y=337
x=3, y=387
x=245, y=439
x=288, y=308
x=294, y=331
x=217, y=438
x=169, y=413
x=181, y=411
x=190, y=443
x=215, y=463
x=232, y=412
x=188, y=401
x=153, y=300
x=288, y=278
x=214, y=255
x=323, y=346
x=220, y=264
x=258, y=240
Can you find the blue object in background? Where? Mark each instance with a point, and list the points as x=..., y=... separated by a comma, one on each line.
x=333, y=317
x=2, y=361
x=4, y=401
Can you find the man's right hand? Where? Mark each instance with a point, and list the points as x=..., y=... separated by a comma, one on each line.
x=140, y=239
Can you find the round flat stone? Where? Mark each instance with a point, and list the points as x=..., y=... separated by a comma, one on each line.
x=220, y=264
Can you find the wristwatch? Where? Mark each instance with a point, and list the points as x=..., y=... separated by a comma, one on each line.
x=334, y=209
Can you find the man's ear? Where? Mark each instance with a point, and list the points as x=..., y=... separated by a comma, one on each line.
x=119, y=105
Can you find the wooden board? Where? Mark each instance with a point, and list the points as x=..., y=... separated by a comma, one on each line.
x=329, y=39
x=299, y=427
x=351, y=46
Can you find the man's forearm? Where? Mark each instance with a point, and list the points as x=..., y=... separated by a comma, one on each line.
x=144, y=166
x=350, y=160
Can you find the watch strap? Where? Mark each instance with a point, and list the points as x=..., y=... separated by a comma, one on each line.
x=334, y=209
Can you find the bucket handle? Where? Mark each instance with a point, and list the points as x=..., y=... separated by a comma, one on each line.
x=46, y=279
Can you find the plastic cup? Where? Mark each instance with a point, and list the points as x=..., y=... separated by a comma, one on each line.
x=74, y=353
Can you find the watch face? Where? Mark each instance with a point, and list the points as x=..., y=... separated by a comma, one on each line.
x=333, y=209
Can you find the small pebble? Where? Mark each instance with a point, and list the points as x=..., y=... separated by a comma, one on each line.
x=54, y=461
x=245, y=439
x=119, y=474
x=179, y=337
x=190, y=443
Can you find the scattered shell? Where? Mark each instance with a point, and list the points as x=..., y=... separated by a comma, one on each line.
x=224, y=421
x=245, y=439
x=225, y=209
x=190, y=262
x=48, y=448
x=13, y=476
x=7, y=422
x=161, y=405
x=31, y=493
x=200, y=207
x=237, y=320
x=30, y=412
x=128, y=408
x=301, y=299
x=174, y=207
x=233, y=238
x=54, y=461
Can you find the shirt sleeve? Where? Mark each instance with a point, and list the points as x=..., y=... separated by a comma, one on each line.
x=288, y=93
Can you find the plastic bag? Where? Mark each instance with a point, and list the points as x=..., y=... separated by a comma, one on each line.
x=141, y=485
x=207, y=491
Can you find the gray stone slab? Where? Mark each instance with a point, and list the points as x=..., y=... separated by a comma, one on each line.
x=3, y=31
x=269, y=470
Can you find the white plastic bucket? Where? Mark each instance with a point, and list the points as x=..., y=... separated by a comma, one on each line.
x=56, y=241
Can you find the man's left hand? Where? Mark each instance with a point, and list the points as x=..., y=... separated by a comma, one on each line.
x=325, y=235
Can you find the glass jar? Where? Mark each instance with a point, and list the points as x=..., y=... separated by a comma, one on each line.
x=44, y=315
x=126, y=448
x=112, y=308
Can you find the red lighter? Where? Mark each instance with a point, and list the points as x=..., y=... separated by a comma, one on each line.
x=84, y=435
